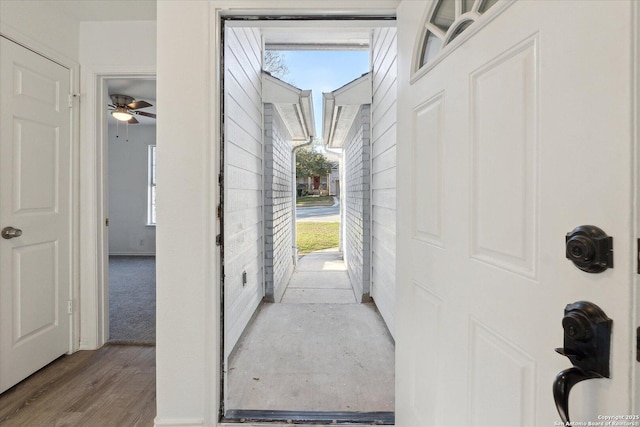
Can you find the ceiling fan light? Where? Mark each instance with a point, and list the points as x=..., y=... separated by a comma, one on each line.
x=121, y=113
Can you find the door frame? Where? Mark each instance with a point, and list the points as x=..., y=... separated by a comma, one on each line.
x=15, y=35
x=256, y=18
x=634, y=252
x=94, y=173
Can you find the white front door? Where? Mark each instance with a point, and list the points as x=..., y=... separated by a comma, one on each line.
x=521, y=133
x=35, y=182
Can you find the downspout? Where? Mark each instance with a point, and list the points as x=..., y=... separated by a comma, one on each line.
x=295, y=195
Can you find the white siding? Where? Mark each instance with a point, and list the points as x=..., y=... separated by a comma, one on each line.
x=243, y=199
x=357, y=239
x=278, y=204
x=383, y=173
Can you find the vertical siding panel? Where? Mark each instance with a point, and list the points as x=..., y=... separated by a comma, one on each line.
x=383, y=171
x=243, y=225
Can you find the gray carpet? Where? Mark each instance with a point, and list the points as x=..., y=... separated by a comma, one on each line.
x=132, y=300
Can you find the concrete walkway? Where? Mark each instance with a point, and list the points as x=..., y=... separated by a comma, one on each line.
x=320, y=277
x=317, y=351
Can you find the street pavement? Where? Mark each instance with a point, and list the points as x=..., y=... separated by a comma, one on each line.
x=319, y=213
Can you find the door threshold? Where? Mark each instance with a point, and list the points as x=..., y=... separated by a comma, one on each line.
x=308, y=417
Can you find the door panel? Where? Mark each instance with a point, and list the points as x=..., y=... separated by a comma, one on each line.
x=36, y=151
x=503, y=110
x=502, y=143
x=35, y=180
x=35, y=290
x=427, y=158
x=498, y=366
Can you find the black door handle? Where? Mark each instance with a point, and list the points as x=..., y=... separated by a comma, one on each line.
x=587, y=341
x=563, y=384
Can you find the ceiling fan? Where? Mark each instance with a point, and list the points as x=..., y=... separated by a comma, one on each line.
x=124, y=107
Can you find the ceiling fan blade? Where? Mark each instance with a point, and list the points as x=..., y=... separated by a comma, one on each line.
x=132, y=121
x=143, y=113
x=138, y=104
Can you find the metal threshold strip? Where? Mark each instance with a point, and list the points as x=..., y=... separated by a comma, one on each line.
x=308, y=417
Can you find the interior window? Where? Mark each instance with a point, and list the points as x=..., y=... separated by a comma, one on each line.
x=486, y=4
x=432, y=46
x=151, y=199
x=447, y=21
x=467, y=5
x=459, y=29
x=445, y=14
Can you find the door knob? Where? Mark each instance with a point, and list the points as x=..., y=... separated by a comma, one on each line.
x=587, y=341
x=10, y=232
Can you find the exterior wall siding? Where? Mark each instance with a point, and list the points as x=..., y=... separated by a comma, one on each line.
x=357, y=228
x=278, y=204
x=243, y=199
x=383, y=173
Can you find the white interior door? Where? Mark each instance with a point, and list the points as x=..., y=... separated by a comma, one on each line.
x=520, y=134
x=35, y=151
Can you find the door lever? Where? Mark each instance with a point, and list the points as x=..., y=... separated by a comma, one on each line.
x=587, y=341
x=563, y=384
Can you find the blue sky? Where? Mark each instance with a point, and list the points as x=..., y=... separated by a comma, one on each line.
x=324, y=71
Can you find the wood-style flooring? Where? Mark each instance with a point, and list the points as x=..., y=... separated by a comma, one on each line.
x=112, y=386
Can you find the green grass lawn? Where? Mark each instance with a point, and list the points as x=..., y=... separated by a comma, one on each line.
x=306, y=201
x=315, y=236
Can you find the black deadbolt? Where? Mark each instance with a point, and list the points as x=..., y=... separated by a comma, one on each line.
x=577, y=326
x=590, y=249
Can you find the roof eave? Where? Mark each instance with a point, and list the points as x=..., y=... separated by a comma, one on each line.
x=338, y=108
x=294, y=105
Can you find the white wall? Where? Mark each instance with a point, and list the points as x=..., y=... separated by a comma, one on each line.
x=129, y=233
x=102, y=54
x=278, y=201
x=188, y=361
x=244, y=199
x=187, y=271
x=357, y=209
x=383, y=173
x=41, y=26
x=118, y=44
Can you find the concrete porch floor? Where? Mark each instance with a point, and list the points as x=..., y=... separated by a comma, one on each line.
x=318, y=350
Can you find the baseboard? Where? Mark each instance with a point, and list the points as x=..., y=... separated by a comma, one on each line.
x=176, y=422
x=132, y=254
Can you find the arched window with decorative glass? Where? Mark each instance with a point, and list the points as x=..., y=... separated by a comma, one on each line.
x=447, y=20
